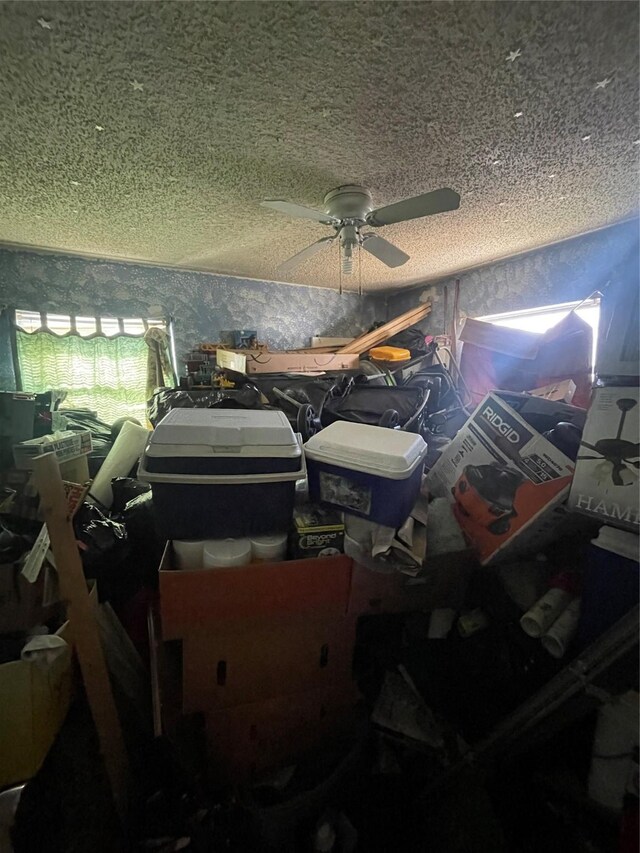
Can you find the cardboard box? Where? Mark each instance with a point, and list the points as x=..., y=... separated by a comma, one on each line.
x=192, y=599
x=21, y=602
x=504, y=478
x=262, y=361
x=317, y=532
x=35, y=701
x=250, y=739
x=262, y=659
x=560, y=391
x=605, y=484
x=66, y=445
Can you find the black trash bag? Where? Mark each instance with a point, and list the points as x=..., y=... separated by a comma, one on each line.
x=248, y=397
x=145, y=541
x=104, y=548
x=411, y=339
x=125, y=489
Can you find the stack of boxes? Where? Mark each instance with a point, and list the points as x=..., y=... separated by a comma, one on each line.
x=266, y=656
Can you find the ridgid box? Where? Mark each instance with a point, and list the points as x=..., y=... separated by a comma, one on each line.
x=605, y=485
x=508, y=483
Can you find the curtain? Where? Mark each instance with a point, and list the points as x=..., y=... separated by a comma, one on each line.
x=108, y=375
x=159, y=368
x=7, y=368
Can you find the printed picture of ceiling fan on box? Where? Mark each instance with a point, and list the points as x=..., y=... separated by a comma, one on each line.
x=606, y=481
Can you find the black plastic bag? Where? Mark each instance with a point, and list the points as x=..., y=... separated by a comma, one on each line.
x=411, y=339
x=104, y=548
x=247, y=397
x=125, y=489
x=144, y=539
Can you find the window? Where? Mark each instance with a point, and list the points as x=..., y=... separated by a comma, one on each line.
x=101, y=362
x=541, y=319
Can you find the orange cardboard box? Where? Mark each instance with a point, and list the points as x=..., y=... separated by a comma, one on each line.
x=206, y=599
x=249, y=739
x=265, y=659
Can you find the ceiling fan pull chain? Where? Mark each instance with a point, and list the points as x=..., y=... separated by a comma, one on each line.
x=360, y=270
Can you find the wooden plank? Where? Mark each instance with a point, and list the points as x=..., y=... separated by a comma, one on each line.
x=318, y=350
x=393, y=327
x=73, y=590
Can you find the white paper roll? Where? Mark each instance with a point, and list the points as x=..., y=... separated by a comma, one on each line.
x=226, y=553
x=544, y=612
x=269, y=549
x=127, y=449
x=560, y=634
x=189, y=553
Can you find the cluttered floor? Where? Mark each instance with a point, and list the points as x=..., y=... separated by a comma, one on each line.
x=392, y=606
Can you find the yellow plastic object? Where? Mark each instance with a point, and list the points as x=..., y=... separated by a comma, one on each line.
x=389, y=354
x=35, y=700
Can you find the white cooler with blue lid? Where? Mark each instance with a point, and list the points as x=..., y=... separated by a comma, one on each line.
x=369, y=471
x=222, y=472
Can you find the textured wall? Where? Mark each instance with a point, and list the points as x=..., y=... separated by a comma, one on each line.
x=565, y=272
x=202, y=304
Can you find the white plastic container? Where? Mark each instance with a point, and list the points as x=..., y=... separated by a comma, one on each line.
x=544, y=612
x=189, y=553
x=225, y=553
x=222, y=472
x=613, y=746
x=369, y=471
x=269, y=549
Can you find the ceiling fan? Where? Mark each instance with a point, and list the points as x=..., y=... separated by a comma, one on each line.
x=348, y=209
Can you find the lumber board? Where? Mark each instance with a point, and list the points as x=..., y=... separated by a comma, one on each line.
x=73, y=590
x=316, y=350
x=393, y=327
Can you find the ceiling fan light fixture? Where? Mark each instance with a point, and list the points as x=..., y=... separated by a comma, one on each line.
x=348, y=208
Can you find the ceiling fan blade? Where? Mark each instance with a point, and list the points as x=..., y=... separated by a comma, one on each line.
x=309, y=252
x=427, y=204
x=384, y=251
x=299, y=211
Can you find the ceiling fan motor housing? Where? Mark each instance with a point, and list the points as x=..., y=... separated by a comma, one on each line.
x=349, y=202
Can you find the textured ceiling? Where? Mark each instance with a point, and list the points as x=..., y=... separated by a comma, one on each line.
x=151, y=130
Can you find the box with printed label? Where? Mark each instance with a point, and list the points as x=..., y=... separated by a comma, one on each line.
x=605, y=485
x=506, y=480
x=317, y=532
x=263, y=361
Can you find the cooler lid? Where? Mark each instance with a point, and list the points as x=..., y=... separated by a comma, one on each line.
x=624, y=543
x=371, y=449
x=223, y=432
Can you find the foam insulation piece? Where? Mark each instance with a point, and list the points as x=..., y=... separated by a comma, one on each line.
x=127, y=449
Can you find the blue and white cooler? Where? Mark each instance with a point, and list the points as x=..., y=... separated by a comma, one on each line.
x=218, y=473
x=369, y=471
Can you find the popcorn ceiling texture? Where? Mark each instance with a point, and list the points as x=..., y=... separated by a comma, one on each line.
x=241, y=101
x=567, y=272
x=202, y=304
